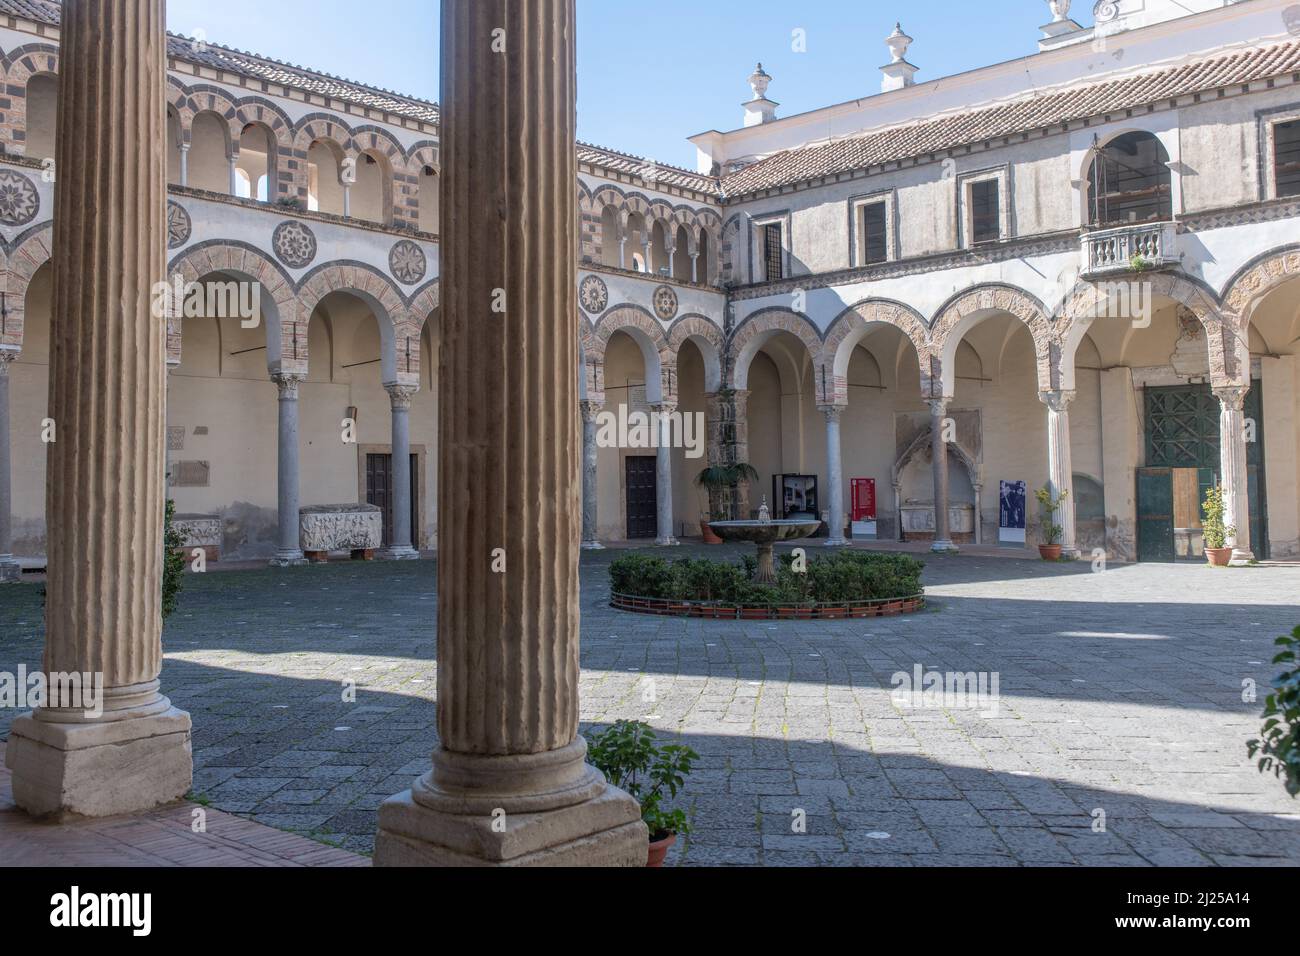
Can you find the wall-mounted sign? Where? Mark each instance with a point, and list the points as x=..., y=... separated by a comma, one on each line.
x=1011, y=512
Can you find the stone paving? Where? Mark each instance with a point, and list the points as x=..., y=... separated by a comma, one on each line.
x=1118, y=737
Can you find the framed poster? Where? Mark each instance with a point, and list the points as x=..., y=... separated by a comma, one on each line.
x=1011, y=512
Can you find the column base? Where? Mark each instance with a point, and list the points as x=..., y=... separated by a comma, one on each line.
x=836, y=543
x=404, y=553
x=547, y=809
x=1241, y=558
x=669, y=542
x=1071, y=554
x=100, y=768
x=288, y=559
x=11, y=572
x=592, y=546
x=943, y=546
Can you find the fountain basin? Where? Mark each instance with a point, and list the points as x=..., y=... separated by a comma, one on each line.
x=763, y=535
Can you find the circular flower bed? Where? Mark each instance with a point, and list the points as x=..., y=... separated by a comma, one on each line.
x=844, y=584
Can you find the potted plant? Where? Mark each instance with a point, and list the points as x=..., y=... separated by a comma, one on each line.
x=1278, y=746
x=719, y=482
x=1050, y=549
x=1214, y=534
x=630, y=759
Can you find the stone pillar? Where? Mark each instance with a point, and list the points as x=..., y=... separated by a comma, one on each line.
x=590, y=490
x=347, y=200
x=1232, y=468
x=105, y=491
x=740, y=446
x=289, y=551
x=622, y=252
x=664, y=475
x=185, y=164
x=695, y=267
x=939, y=454
x=509, y=785
x=1060, y=473
x=834, y=475
x=234, y=176
x=401, y=547
x=10, y=570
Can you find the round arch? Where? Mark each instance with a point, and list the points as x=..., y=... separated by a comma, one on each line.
x=758, y=329
x=969, y=308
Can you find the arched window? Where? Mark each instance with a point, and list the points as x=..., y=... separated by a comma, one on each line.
x=428, y=199
x=1130, y=182
x=257, y=155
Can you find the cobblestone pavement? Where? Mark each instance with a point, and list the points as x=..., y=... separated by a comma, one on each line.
x=1118, y=738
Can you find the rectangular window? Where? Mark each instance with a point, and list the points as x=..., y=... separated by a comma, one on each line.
x=772, y=264
x=875, y=234
x=1286, y=157
x=986, y=218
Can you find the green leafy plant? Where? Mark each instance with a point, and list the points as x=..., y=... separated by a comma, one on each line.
x=1214, y=533
x=838, y=577
x=1139, y=263
x=173, y=561
x=628, y=756
x=1050, y=505
x=1278, y=746
x=721, y=481
x=290, y=202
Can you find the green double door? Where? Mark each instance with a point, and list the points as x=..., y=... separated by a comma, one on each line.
x=1182, y=455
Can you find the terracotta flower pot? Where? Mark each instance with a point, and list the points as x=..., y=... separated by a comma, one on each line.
x=659, y=849
x=1050, y=552
x=1218, y=557
x=709, y=536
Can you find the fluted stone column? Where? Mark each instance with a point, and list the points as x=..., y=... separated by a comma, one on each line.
x=509, y=785
x=1060, y=471
x=10, y=570
x=939, y=454
x=289, y=550
x=1232, y=468
x=835, y=475
x=104, y=498
x=664, y=476
x=401, y=548
x=590, y=488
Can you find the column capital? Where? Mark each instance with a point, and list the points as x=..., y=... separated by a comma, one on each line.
x=664, y=408
x=832, y=412
x=287, y=383
x=1232, y=397
x=401, y=395
x=7, y=358
x=590, y=408
x=1058, y=400
x=939, y=406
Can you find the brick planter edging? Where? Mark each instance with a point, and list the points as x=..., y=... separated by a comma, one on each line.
x=710, y=610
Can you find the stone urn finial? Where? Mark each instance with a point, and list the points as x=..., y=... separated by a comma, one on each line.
x=764, y=513
x=1060, y=9
x=758, y=82
x=898, y=42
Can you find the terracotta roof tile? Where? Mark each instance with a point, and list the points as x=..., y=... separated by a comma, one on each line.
x=628, y=164
x=1044, y=109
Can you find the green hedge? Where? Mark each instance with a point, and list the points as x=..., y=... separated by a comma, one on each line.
x=841, y=576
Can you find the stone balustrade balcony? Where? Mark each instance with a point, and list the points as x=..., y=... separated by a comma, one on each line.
x=1140, y=247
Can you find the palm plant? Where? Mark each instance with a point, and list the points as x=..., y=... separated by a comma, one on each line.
x=721, y=481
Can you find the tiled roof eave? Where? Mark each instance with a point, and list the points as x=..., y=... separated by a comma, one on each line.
x=1044, y=113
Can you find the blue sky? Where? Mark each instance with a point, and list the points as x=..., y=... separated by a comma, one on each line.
x=649, y=73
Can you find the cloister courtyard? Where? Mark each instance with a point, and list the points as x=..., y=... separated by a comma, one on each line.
x=1120, y=691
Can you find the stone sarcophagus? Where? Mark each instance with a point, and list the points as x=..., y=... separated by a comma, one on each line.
x=201, y=531
x=354, y=527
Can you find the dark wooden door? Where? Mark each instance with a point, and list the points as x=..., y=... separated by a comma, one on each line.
x=641, y=482
x=1155, y=499
x=379, y=491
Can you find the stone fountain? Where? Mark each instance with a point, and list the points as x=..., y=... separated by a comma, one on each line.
x=764, y=533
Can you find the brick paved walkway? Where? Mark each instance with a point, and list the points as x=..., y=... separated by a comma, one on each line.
x=1121, y=692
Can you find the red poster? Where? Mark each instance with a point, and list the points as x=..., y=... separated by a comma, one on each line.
x=864, y=499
